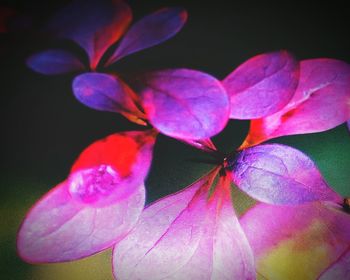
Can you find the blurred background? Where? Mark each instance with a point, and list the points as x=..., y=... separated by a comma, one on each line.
x=44, y=128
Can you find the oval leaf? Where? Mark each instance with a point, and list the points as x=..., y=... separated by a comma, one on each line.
x=184, y=103
x=93, y=24
x=52, y=62
x=321, y=102
x=149, y=31
x=106, y=92
x=186, y=236
x=95, y=206
x=262, y=85
x=296, y=242
x=279, y=174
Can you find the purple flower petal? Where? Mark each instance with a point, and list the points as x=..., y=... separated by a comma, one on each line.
x=296, y=242
x=93, y=24
x=184, y=103
x=54, y=61
x=95, y=206
x=150, y=30
x=106, y=92
x=279, y=174
x=262, y=85
x=186, y=236
x=321, y=102
x=340, y=269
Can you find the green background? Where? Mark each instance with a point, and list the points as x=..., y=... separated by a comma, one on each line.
x=45, y=128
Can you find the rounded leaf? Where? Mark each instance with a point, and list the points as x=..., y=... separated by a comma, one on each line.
x=54, y=61
x=262, y=85
x=185, y=104
x=321, y=102
x=106, y=92
x=279, y=174
x=95, y=207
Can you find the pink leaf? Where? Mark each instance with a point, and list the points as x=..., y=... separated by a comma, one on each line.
x=93, y=24
x=151, y=30
x=262, y=85
x=52, y=62
x=95, y=206
x=340, y=269
x=279, y=174
x=296, y=242
x=186, y=236
x=184, y=103
x=106, y=93
x=321, y=102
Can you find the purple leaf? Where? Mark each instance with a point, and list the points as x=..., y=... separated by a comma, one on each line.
x=93, y=24
x=149, y=31
x=184, y=103
x=279, y=174
x=95, y=206
x=106, y=92
x=340, y=269
x=186, y=236
x=321, y=102
x=262, y=85
x=296, y=242
x=54, y=61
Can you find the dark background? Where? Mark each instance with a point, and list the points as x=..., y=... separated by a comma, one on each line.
x=44, y=128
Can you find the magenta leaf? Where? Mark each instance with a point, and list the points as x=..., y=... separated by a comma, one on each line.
x=186, y=236
x=340, y=269
x=279, y=174
x=95, y=206
x=54, y=61
x=262, y=85
x=106, y=92
x=150, y=30
x=185, y=104
x=93, y=24
x=321, y=102
x=298, y=242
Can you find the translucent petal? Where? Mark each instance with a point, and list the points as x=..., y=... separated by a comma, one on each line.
x=321, y=102
x=262, y=85
x=95, y=206
x=105, y=92
x=150, y=30
x=184, y=103
x=279, y=174
x=186, y=236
